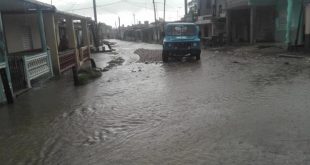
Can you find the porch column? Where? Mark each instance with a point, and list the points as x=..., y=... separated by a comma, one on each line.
x=5, y=73
x=73, y=45
x=72, y=38
x=50, y=31
x=85, y=33
x=252, y=25
x=307, y=28
x=42, y=32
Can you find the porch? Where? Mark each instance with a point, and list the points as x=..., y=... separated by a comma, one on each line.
x=28, y=57
x=69, y=40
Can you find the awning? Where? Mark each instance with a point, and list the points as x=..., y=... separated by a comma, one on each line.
x=72, y=15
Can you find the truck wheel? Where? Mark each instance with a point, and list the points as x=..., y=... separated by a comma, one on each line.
x=197, y=57
x=165, y=57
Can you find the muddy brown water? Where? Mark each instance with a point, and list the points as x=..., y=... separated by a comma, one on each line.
x=224, y=109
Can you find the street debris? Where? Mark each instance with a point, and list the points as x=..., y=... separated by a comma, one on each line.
x=149, y=56
x=85, y=75
x=290, y=56
x=113, y=63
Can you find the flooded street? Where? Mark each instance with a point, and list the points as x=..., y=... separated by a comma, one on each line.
x=228, y=108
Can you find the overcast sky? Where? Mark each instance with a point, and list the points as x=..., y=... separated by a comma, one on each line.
x=109, y=10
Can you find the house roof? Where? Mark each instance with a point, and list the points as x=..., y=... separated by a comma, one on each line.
x=24, y=6
x=72, y=15
x=34, y=5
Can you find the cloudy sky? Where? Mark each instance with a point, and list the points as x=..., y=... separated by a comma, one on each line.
x=109, y=10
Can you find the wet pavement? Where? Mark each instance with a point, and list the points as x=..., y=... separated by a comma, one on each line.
x=229, y=108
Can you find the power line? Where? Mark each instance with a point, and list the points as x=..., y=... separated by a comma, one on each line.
x=98, y=6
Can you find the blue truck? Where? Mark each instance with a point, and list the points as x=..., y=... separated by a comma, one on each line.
x=181, y=39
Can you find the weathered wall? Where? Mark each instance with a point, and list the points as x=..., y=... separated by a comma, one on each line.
x=206, y=6
x=13, y=25
x=2, y=95
x=237, y=3
x=287, y=20
x=240, y=25
x=265, y=24
x=307, y=26
x=262, y=2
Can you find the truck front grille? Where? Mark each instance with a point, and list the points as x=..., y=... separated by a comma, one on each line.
x=182, y=45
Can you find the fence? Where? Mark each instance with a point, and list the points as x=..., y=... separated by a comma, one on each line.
x=24, y=68
x=84, y=53
x=37, y=66
x=67, y=60
x=18, y=76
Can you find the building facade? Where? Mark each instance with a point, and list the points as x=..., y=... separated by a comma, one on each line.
x=252, y=21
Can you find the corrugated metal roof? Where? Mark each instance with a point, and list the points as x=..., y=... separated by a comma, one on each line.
x=72, y=15
x=24, y=6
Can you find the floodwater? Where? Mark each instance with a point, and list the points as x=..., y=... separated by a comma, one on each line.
x=225, y=109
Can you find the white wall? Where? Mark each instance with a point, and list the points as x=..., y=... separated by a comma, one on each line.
x=13, y=24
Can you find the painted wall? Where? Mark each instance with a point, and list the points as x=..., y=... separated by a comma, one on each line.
x=262, y=2
x=287, y=20
x=307, y=18
x=2, y=95
x=265, y=24
x=13, y=24
x=307, y=26
x=206, y=7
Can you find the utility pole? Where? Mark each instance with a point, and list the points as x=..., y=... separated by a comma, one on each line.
x=119, y=27
x=51, y=2
x=164, y=11
x=95, y=11
x=156, y=30
x=134, y=18
x=185, y=6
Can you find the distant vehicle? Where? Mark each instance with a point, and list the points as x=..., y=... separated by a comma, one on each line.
x=181, y=39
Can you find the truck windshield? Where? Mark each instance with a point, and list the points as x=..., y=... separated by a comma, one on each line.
x=181, y=30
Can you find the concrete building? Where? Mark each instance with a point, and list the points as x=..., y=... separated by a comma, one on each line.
x=212, y=20
x=252, y=21
x=280, y=21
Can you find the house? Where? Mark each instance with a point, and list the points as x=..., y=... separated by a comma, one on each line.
x=37, y=42
x=28, y=58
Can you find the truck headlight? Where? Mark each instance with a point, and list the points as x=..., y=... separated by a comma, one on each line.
x=195, y=44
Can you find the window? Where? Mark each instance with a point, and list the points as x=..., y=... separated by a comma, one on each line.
x=27, y=38
x=181, y=30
